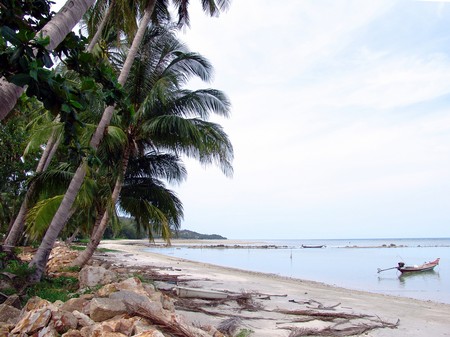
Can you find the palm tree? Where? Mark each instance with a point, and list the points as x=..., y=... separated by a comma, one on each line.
x=61, y=217
x=163, y=65
x=56, y=29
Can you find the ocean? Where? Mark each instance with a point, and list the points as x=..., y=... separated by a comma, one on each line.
x=350, y=263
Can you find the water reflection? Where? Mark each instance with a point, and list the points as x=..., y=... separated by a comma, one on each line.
x=429, y=274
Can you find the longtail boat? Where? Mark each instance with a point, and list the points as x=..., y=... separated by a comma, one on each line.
x=317, y=246
x=413, y=269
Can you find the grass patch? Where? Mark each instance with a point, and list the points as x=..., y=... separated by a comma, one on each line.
x=78, y=247
x=244, y=333
x=60, y=288
x=72, y=269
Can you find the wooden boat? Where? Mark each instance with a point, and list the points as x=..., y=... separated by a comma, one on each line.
x=414, y=269
x=317, y=246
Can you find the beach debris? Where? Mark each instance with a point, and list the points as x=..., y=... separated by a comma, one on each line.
x=317, y=305
x=199, y=293
x=230, y=326
x=321, y=315
x=336, y=331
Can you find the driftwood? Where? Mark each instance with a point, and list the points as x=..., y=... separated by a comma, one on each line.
x=230, y=326
x=143, y=307
x=317, y=304
x=334, y=331
x=321, y=315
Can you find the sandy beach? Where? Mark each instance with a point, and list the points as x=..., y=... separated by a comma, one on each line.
x=280, y=306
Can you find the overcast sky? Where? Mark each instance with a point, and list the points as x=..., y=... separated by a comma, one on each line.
x=340, y=120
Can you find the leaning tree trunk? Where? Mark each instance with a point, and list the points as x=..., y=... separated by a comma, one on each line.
x=60, y=219
x=100, y=28
x=57, y=29
x=17, y=227
x=98, y=231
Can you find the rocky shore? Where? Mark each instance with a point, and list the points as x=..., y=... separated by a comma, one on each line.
x=128, y=292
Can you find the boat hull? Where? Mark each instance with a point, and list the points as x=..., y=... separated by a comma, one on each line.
x=418, y=269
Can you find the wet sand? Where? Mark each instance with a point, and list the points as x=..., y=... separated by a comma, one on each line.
x=272, y=315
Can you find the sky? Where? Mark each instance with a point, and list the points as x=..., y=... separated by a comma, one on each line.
x=340, y=120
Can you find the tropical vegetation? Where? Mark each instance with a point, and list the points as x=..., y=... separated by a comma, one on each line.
x=98, y=126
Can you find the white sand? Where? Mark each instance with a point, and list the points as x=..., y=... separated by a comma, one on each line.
x=416, y=318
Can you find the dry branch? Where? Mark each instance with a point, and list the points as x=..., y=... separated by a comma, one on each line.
x=321, y=314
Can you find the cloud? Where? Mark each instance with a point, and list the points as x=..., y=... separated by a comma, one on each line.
x=340, y=116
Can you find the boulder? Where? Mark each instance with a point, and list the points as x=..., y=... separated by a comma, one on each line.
x=77, y=304
x=83, y=319
x=132, y=284
x=134, y=302
x=119, y=324
x=91, y=276
x=63, y=321
x=33, y=321
x=13, y=301
x=9, y=314
x=102, y=309
x=72, y=333
x=36, y=303
x=5, y=329
x=47, y=331
x=99, y=331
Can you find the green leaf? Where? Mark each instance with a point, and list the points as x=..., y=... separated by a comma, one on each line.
x=34, y=74
x=47, y=60
x=10, y=35
x=20, y=79
x=76, y=104
x=65, y=108
x=87, y=84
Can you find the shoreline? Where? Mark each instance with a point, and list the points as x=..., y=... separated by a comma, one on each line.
x=416, y=317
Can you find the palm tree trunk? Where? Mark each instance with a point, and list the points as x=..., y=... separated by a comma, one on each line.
x=98, y=231
x=61, y=217
x=16, y=230
x=57, y=29
x=100, y=28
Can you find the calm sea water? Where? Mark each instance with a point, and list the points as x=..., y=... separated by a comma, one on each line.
x=340, y=263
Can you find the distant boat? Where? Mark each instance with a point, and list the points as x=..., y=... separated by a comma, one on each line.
x=316, y=246
x=413, y=269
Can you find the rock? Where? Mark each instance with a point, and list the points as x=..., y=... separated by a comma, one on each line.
x=9, y=314
x=150, y=333
x=102, y=309
x=72, y=333
x=5, y=329
x=36, y=303
x=140, y=325
x=63, y=321
x=33, y=321
x=92, y=276
x=119, y=324
x=106, y=290
x=77, y=304
x=48, y=331
x=99, y=331
x=83, y=319
x=13, y=301
x=132, y=284
x=134, y=302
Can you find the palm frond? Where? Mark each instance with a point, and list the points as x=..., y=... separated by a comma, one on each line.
x=40, y=216
x=157, y=165
x=195, y=138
